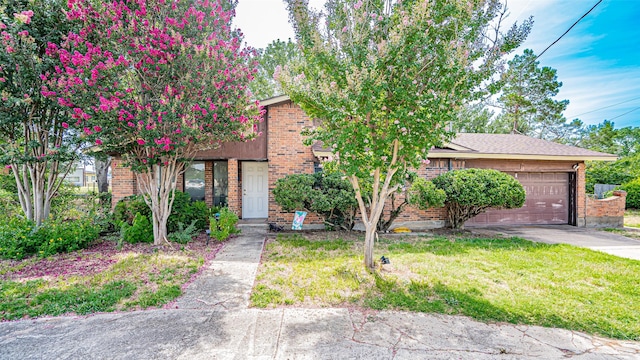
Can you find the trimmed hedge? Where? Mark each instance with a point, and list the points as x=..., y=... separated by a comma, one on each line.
x=472, y=191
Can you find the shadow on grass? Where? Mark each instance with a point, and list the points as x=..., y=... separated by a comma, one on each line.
x=441, y=246
x=439, y=298
x=20, y=300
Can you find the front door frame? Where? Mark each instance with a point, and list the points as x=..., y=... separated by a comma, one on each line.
x=264, y=213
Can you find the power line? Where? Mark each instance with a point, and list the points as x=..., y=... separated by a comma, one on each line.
x=569, y=29
x=602, y=108
x=630, y=111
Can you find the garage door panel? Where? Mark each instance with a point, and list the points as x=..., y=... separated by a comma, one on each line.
x=547, y=199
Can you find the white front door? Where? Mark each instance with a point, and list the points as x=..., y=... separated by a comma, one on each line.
x=255, y=190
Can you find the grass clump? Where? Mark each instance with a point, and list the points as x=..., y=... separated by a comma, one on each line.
x=102, y=280
x=489, y=279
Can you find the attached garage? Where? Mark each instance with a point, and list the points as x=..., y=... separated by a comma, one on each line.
x=547, y=202
x=552, y=175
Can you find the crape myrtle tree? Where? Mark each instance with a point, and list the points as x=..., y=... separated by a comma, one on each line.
x=386, y=77
x=156, y=81
x=34, y=141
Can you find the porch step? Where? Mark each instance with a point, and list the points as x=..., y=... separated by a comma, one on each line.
x=253, y=224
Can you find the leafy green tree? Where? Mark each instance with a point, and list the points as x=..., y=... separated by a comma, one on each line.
x=527, y=101
x=624, y=142
x=472, y=191
x=477, y=118
x=386, y=77
x=606, y=138
x=327, y=195
x=278, y=53
x=35, y=142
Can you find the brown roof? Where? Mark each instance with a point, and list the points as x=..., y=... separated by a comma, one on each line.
x=515, y=146
x=505, y=146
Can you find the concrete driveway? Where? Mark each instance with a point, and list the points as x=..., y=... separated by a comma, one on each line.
x=610, y=243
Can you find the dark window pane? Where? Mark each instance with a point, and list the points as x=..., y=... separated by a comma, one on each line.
x=220, y=183
x=194, y=180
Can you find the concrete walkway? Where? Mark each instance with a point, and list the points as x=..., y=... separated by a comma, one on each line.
x=212, y=321
x=594, y=239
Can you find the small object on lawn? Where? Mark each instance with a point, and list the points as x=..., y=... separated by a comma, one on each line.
x=275, y=227
x=401, y=230
x=298, y=219
x=385, y=260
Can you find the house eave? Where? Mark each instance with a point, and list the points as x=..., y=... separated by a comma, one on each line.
x=274, y=100
x=457, y=155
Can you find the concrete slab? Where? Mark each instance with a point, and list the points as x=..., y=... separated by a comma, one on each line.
x=610, y=243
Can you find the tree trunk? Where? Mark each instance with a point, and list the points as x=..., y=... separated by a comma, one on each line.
x=379, y=196
x=36, y=188
x=158, y=185
x=102, y=169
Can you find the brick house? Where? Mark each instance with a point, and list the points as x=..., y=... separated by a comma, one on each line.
x=242, y=175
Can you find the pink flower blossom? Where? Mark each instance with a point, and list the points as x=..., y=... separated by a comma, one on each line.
x=357, y=5
x=98, y=142
x=141, y=142
x=23, y=33
x=65, y=125
x=344, y=29
x=97, y=128
x=24, y=17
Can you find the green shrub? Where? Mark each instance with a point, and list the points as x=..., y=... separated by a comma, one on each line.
x=327, y=195
x=183, y=211
x=633, y=193
x=141, y=230
x=473, y=191
x=424, y=195
x=618, y=172
x=184, y=235
x=66, y=236
x=20, y=238
x=127, y=208
x=16, y=239
x=222, y=228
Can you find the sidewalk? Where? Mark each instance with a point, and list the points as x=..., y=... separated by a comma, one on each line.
x=212, y=321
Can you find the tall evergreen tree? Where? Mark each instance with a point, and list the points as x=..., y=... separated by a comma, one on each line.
x=528, y=104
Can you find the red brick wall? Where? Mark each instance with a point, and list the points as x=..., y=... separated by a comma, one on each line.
x=287, y=154
x=123, y=181
x=208, y=182
x=581, y=195
x=233, y=195
x=607, y=212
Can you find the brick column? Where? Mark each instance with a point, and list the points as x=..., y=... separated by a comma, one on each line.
x=208, y=182
x=581, y=196
x=234, y=198
x=123, y=181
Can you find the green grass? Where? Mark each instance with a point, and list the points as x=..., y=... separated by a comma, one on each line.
x=632, y=218
x=135, y=281
x=511, y=280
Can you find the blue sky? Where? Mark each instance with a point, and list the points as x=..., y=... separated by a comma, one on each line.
x=598, y=61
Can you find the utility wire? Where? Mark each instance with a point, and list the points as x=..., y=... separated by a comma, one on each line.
x=630, y=111
x=569, y=29
x=602, y=108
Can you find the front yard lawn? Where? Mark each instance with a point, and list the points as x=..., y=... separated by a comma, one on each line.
x=502, y=279
x=632, y=218
x=102, y=278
